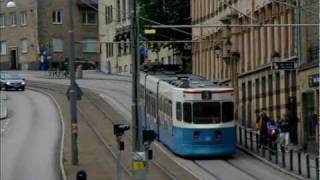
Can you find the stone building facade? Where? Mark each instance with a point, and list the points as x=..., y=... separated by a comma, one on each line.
x=309, y=75
x=43, y=38
x=247, y=64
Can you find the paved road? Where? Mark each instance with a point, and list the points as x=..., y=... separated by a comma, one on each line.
x=30, y=138
x=117, y=90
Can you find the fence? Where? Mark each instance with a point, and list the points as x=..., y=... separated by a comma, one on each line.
x=58, y=74
x=294, y=161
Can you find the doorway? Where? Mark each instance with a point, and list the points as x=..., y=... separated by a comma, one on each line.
x=13, y=59
x=310, y=123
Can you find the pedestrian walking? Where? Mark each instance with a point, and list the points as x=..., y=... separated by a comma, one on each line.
x=261, y=127
x=284, y=129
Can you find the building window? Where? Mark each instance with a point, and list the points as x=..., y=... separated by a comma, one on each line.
x=24, y=46
x=3, y=47
x=2, y=20
x=23, y=18
x=89, y=17
x=169, y=59
x=90, y=46
x=57, y=17
x=57, y=45
x=118, y=11
x=13, y=19
x=124, y=10
x=109, y=16
x=109, y=50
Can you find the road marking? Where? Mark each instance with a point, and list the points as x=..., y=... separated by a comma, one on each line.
x=4, y=127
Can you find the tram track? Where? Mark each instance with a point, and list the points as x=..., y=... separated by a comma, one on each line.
x=95, y=98
x=94, y=101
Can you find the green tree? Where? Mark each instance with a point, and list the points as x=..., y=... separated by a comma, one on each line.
x=168, y=12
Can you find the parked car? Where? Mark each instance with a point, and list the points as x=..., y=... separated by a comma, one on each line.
x=86, y=64
x=11, y=81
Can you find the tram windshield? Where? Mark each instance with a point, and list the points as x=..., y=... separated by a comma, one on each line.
x=206, y=113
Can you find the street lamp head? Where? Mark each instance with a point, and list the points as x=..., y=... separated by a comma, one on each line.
x=11, y=4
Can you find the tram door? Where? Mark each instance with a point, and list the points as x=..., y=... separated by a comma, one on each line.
x=309, y=121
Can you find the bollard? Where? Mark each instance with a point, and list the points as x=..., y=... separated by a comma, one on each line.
x=251, y=141
x=245, y=138
x=277, y=160
x=81, y=175
x=283, y=157
x=257, y=142
x=263, y=150
x=299, y=162
x=291, y=161
x=240, y=135
x=308, y=165
x=270, y=153
x=317, y=168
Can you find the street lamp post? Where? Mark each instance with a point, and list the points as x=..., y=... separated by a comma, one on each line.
x=73, y=89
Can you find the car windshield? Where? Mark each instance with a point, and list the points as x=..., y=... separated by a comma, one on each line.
x=12, y=77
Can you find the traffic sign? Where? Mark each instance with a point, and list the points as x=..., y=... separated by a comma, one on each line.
x=150, y=31
x=283, y=65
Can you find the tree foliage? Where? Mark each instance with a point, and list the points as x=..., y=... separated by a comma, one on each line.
x=168, y=12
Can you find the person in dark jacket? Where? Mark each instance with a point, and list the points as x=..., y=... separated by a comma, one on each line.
x=284, y=128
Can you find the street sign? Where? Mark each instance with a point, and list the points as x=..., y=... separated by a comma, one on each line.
x=150, y=31
x=283, y=65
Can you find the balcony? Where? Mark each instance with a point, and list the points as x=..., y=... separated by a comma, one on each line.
x=87, y=3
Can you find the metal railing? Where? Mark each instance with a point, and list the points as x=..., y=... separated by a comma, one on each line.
x=58, y=74
x=295, y=161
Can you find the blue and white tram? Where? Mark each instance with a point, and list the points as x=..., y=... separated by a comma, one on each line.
x=192, y=116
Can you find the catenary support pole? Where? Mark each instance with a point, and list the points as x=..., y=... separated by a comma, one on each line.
x=73, y=90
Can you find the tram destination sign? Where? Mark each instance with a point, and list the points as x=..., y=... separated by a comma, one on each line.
x=206, y=95
x=283, y=65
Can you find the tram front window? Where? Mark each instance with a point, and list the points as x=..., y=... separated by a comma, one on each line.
x=206, y=113
x=227, y=111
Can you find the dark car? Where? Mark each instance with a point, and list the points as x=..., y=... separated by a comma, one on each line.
x=11, y=81
x=86, y=64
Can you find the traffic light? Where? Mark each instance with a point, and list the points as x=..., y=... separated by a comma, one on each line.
x=148, y=136
x=119, y=129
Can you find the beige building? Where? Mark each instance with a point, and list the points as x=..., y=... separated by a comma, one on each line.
x=309, y=76
x=36, y=32
x=114, y=34
x=248, y=61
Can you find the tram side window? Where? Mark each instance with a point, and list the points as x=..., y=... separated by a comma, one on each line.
x=227, y=111
x=178, y=111
x=187, y=113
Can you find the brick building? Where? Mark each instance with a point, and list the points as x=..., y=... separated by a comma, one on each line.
x=247, y=55
x=36, y=31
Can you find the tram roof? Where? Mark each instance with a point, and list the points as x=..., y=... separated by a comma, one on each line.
x=173, y=75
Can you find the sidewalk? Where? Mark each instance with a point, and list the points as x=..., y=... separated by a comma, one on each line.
x=87, y=75
x=3, y=106
x=293, y=161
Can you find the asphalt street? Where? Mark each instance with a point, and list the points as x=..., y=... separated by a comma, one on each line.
x=30, y=139
x=242, y=166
